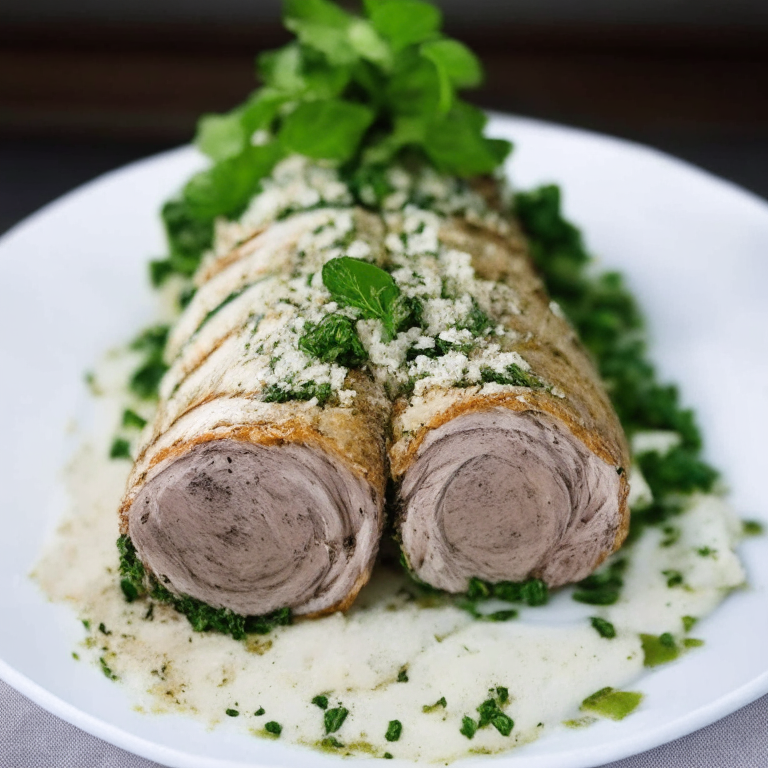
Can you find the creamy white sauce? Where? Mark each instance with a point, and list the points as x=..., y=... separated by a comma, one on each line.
x=550, y=658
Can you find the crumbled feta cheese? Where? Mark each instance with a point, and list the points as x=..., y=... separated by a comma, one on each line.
x=442, y=278
x=358, y=249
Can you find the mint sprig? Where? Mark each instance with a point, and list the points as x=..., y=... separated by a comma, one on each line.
x=353, y=90
x=364, y=286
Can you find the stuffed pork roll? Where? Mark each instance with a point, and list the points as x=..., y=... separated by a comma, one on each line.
x=260, y=483
x=507, y=453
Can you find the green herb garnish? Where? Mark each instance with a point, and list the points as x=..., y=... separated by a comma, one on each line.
x=674, y=578
x=131, y=419
x=688, y=622
x=307, y=390
x=145, y=381
x=259, y=712
x=274, y=728
x=334, y=718
x=441, y=702
x=402, y=675
x=533, y=592
x=366, y=287
x=753, y=528
x=108, y=673
x=334, y=340
x=512, y=375
x=671, y=535
x=394, y=729
x=349, y=89
x=231, y=713
x=188, y=238
x=321, y=701
x=490, y=714
x=611, y=703
x=604, y=628
x=135, y=583
x=120, y=449
x=602, y=587
x=468, y=727
x=659, y=650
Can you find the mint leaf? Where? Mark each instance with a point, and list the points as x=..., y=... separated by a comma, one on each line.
x=281, y=69
x=220, y=136
x=316, y=11
x=404, y=22
x=226, y=188
x=456, y=143
x=329, y=130
x=368, y=44
x=456, y=67
x=323, y=26
x=260, y=111
x=459, y=63
x=414, y=88
x=358, y=284
x=406, y=131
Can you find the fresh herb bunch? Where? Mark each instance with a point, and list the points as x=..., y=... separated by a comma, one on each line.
x=353, y=90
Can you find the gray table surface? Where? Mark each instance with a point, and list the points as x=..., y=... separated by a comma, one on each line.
x=35, y=172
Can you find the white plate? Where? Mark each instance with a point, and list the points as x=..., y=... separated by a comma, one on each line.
x=74, y=283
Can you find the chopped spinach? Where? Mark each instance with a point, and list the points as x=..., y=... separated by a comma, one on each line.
x=334, y=340
x=441, y=702
x=120, y=449
x=135, y=583
x=604, y=628
x=321, y=701
x=334, y=718
x=602, y=587
x=394, y=729
x=307, y=390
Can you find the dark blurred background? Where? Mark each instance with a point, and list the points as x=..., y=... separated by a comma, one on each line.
x=87, y=85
